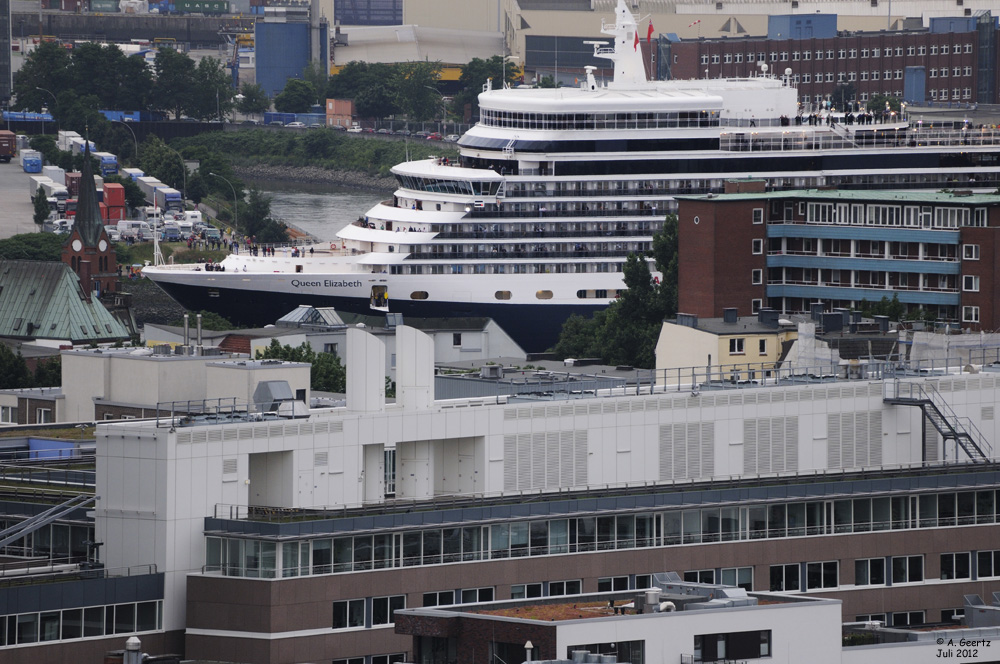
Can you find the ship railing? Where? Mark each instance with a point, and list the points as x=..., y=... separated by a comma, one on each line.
x=587, y=213
x=527, y=234
x=502, y=251
x=847, y=284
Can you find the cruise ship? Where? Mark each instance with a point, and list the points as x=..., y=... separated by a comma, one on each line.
x=555, y=188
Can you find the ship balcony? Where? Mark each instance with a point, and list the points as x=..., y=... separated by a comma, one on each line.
x=508, y=252
x=586, y=212
x=527, y=232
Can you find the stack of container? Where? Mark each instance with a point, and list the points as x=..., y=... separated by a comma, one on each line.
x=73, y=184
x=114, y=202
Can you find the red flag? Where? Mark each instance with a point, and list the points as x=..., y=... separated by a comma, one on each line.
x=636, y=47
x=649, y=33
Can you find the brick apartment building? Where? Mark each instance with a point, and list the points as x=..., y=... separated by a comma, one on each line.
x=955, y=60
x=787, y=250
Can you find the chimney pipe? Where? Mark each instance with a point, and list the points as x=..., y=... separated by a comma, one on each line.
x=187, y=330
x=198, y=319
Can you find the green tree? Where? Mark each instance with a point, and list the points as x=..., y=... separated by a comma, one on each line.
x=314, y=75
x=32, y=247
x=255, y=100
x=327, y=374
x=352, y=79
x=48, y=373
x=158, y=160
x=212, y=97
x=377, y=102
x=297, y=97
x=47, y=67
x=209, y=321
x=417, y=93
x=173, y=90
x=256, y=221
x=878, y=102
x=118, y=81
x=42, y=210
x=13, y=370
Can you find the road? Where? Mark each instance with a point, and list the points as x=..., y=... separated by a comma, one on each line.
x=16, y=210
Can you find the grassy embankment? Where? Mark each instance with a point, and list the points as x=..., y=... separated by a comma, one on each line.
x=321, y=148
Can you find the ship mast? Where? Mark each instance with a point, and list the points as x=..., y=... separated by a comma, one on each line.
x=626, y=54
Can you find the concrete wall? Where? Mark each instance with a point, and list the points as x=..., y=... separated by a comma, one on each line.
x=239, y=378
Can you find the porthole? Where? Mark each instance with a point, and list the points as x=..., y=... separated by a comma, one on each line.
x=581, y=294
x=418, y=295
x=697, y=219
x=502, y=295
x=544, y=295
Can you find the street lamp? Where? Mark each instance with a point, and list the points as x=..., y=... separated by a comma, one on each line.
x=443, y=109
x=239, y=100
x=131, y=131
x=184, y=173
x=54, y=102
x=236, y=210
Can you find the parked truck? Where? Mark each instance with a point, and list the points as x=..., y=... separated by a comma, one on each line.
x=148, y=185
x=54, y=173
x=31, y=161
x=8, y=145
x=56, y=192
x=34, y=182
x=169, y=198
x=109, y=163
x=133, y=173
x=65, y=138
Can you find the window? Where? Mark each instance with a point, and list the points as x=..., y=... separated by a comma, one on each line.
x=574, y=587
x=864, y=53
x=970, y=314
x=869, y=572
x=784, y=578
x=758, y=215
x=704, y=59
x=8, y=414
x=755, y=305
x=757, y=277
x=970, y=252
x=871, y=617
x=970, y=283
x=956, y=566
x=921, y=50
x=876, y=52
x=330, y=348
x=612, y=583
x=907, y=618
x=441, y=598
x=732, y=646
x=43, y=416
x=384, y=609
x=349, y=613
x=525, y=590
x=757, y=246
x=470, y=595
x=737, y=576
x=822, y=575
x=945, y=49
x=456, y=339
x=700, y=576
x=907, y=569
x=394, y=658
x=987, y=564
x=543, y=295
x=952, y=615
x=736, y=346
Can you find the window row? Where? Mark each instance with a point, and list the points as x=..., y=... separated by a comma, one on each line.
x=268, y=559
x=913, y=216
x=956, y=94
x=625, y=120
x=835, y=54
x=89, y=622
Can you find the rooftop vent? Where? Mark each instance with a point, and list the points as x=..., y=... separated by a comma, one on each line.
x=687, y=320
x=729, y=314
x=768, y=317
x=492, y=371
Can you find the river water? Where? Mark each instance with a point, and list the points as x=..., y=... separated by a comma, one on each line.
x=317, y=208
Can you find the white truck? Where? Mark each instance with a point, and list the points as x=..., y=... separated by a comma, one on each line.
x=34, y=182
x=57, y=192
x=64, y=140
x=54, y=173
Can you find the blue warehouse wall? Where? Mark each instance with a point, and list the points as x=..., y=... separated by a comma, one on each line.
x=283, y=52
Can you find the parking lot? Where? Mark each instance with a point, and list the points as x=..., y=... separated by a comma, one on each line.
x=16, y=210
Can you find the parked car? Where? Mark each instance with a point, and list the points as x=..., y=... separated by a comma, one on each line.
x=338, y=127
x=383, y=130
x=422, y=134
x=296, y=124
x=250, y=122
x=354, y=130
x=315, y=125
x=435, y=137
x=367, y=130
x=276, y=123
x=452, y=138
x=402, y=132
x=171, y=234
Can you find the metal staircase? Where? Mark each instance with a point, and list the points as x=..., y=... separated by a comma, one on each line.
x=937, y=411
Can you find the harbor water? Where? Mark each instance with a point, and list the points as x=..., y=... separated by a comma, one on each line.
x=319, y=209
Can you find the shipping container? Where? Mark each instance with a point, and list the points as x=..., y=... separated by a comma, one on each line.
x=8, y=146
x=54, y=173
x=73, y=184
x=116, y=213
x=114, y=194
x=105, y=214
x=104, y=6
x=202, y=6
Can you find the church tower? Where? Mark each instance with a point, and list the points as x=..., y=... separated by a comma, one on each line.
x=87, y=249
